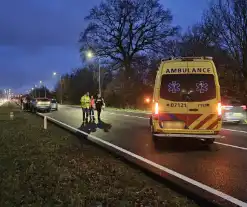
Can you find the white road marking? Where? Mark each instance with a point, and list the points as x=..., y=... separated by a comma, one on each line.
x=220, y=143
x=229, y=145
x=155, y=165
x=140, y=117
x=233, y=130
x=134, y=112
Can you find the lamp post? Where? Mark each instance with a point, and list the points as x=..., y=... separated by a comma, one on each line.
x=61, y=87
x=41, y=83
x=90, y=55
x=9, y=93
x=5, y=94
x=32, y=91
x=35, y=91
x=40, y=87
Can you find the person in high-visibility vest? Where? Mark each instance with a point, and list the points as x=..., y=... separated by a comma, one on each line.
x=85, y=105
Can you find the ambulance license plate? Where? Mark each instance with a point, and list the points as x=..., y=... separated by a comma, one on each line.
x=173, y=124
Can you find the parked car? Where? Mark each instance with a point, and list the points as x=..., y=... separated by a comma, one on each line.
x=40, y=104
x=233, y=111
x=54, y=104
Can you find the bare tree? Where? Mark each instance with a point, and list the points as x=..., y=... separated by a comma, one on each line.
x=120, y=30
x=228, y=22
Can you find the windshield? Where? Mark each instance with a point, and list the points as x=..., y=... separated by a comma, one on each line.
x=53, y=101
x=188, y=87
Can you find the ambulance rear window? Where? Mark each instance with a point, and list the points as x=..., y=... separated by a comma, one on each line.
x=187, y=87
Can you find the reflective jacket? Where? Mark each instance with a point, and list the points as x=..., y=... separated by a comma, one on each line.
x=85, y=101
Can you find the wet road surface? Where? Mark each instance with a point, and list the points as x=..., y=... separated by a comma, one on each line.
x=222, y=166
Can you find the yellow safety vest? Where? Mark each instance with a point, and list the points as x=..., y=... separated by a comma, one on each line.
x=85, y=101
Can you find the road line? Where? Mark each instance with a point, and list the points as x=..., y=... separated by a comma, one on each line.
x=140, y=117
x=134, y=112
x=233, y=130
x=233, y=146
x=220, y=143
x=155, y=165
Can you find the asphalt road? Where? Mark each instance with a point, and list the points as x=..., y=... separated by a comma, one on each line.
x=222, y=166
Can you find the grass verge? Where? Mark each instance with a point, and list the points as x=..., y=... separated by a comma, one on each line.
x=53, y=168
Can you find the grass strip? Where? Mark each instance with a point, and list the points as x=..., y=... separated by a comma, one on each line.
x=54, y=168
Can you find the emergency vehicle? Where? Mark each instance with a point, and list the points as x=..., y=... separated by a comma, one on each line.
x=186, y=99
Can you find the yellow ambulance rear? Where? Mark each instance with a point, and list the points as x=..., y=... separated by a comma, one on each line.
x=186, y=99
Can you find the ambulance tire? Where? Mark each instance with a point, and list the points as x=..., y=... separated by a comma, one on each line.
x=240, y=122
x=155, y=138
x=209, y=141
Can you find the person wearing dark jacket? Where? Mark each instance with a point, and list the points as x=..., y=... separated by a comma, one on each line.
x=99, y=103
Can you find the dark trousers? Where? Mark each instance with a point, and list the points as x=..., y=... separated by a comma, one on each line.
x=98, y=111
x=85, y=112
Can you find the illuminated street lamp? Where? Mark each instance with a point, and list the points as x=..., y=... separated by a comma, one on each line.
x=32, y=91
x=61, y=86
x=90, y=55
x=41, y=83
x=35, y=90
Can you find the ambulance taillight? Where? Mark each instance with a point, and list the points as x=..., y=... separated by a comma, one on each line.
x=244, y=107
x=219, y=109
x=156, y=108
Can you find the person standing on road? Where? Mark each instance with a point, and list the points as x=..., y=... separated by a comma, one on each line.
x=85, y=104
x=99, y=103
x=91, y=109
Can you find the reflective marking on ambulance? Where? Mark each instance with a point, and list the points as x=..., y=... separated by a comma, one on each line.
x=193, y=121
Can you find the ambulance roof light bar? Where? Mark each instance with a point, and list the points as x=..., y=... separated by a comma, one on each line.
x=188, y=58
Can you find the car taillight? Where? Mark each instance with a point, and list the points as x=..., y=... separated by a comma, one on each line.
x=219, y=109
x=244, y=107
x=156, y=108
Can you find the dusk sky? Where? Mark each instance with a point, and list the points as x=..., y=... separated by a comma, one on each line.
x=38, y=37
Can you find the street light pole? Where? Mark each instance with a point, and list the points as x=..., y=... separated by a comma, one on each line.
x=99, y=77
x=61, y=87
x=91, y=55
x=40, y=87
x=61, y=90
x=35, y=91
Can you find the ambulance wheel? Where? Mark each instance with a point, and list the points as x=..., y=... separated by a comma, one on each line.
x=209, y=141
x=154, y=137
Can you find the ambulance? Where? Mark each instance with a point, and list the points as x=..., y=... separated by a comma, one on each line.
x=186, y=100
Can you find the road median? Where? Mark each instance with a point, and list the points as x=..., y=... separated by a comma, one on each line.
x=52, y=167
